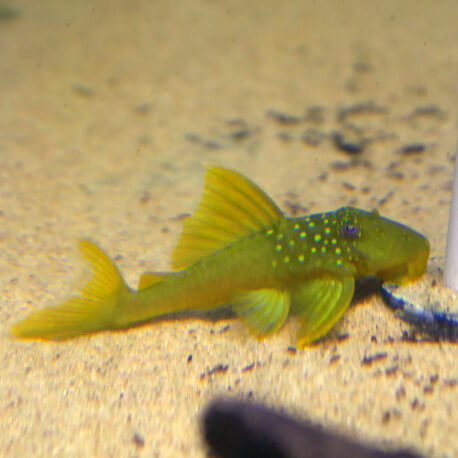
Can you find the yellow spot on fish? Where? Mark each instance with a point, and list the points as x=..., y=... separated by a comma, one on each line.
x=286, y=259
x=338, y=251
x=303, y=235
x=334, y=241
x=313, y=250
x=270, y=232
x=317, y=237
x=326, y=221
x=301, y=258
x=278, y=247
x=291, y=242
x=323, y=249
x=327, y=231
x=280, y=237
x=297, y=227
x=311, y=225
x=339, y=263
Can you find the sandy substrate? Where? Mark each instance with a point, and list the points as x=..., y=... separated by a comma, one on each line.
x=108, y=112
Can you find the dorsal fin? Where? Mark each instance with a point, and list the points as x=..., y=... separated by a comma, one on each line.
x=231, y=207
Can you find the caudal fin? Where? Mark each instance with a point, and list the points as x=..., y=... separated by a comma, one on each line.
x=91, y=310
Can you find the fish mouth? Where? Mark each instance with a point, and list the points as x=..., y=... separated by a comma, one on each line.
x=404, y=273
x=398, y=274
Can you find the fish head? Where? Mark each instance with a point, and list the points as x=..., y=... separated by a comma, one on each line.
x=382, y=247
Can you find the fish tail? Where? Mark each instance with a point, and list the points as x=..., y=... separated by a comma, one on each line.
x=92, y=309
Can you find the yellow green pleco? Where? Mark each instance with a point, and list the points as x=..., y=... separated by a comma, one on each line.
x=239, y=249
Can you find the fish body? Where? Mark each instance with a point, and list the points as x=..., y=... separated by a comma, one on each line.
x=239, y=249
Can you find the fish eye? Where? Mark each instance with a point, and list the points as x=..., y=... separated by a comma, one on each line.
x=349, y=230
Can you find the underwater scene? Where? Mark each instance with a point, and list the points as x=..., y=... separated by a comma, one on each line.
x=223, y=228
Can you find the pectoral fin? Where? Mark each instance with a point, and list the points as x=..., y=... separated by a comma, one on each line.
x=264, y=310
x=320, y=303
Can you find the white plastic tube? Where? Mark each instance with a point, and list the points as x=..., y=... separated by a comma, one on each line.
x=451, y=253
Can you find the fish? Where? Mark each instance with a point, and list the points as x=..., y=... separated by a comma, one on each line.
x=239, y=249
